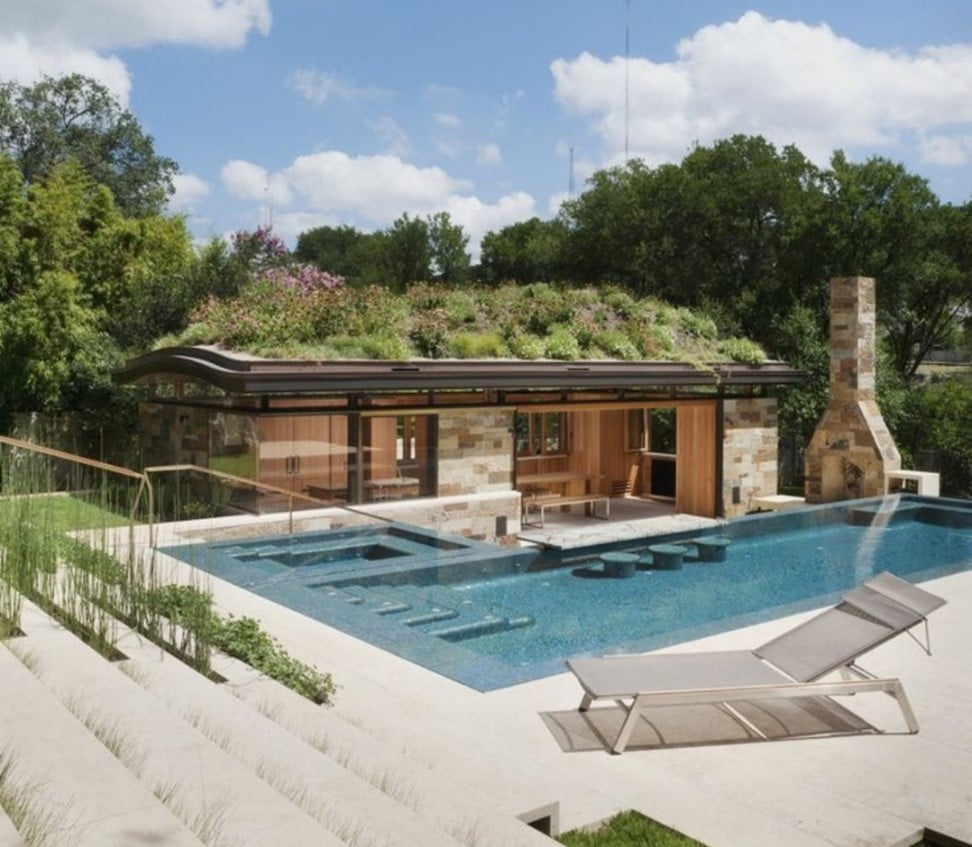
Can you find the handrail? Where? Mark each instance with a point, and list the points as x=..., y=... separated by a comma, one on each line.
x=267, y=486
x=144, y=483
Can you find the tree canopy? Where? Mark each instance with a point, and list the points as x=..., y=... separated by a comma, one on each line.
x=74, y=117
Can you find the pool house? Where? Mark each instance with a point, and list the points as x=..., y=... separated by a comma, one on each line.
x=459, y=444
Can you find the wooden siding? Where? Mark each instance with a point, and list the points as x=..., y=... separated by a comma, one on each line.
x=695, y=468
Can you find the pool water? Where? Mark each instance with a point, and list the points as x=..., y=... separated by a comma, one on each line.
x=489, y=618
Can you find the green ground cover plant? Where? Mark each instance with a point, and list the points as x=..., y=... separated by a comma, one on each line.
x=68, y=513
x=243, y=638
x=629, y=829
x=438, y=321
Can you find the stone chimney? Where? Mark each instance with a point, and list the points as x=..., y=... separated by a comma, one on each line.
x=851, y=450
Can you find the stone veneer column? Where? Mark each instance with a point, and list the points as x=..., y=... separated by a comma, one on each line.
x=475, y=452
x=750, y=452
x=851, y=449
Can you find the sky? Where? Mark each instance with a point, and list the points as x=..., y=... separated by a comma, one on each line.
x=304, y=113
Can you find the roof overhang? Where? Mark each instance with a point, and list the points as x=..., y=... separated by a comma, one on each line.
x=245, y=375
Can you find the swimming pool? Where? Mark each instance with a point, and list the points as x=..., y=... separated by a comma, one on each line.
x=489, y=617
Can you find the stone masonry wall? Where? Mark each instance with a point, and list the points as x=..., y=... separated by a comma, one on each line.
x=749, y=452
x=475, y=452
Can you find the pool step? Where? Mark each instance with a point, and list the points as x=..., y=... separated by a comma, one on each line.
x=434, y=610
x=421, y=609
x=363, y=598
x=487, y=625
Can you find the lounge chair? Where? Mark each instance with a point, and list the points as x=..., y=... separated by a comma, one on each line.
x=789, y=666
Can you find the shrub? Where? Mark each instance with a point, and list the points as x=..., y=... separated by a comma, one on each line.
x=616, y=344
x=525, y=346
x=428, y=333
x=561, y=344
x=476, y=345
x=742, y=350
x=243, y=639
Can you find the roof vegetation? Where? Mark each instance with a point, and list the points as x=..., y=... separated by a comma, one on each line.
x=537, y=321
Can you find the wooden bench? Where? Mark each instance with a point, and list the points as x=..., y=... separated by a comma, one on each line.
x=541, y=504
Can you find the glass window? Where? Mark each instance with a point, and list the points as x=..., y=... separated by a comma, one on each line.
x=540, y=433
x=399, y=457
x=636, y=429
x=662, y=431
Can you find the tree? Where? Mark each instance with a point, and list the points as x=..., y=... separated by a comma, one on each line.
x=888, y=224
x=74, y=117
x=447, y=249
x=408, y=251
x=331, y=248
x=730, y=229
x=529, y=251
x=606, y=224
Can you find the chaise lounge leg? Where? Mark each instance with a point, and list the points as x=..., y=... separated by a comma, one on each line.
x=898, y=693
x=627, y=727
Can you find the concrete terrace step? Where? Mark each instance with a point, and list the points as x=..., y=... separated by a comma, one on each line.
x=341, y=800
x=212, y=789
x=446, y=781
x=76, y=782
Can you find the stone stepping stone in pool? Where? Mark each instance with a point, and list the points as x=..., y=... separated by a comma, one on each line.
x=664, y=556
x=709, y=549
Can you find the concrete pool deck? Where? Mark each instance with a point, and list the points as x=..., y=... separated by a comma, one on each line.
x=864, y=789
x=406, y=756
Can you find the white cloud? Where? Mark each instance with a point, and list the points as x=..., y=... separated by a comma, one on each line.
x=320, y=86
x=190, y=191
x=450, y=148
x=946, y=150
x=379, y=188
x=556, y=201
x=394, y=138
x=488, y=154
x=251, y=182
x=56, y=37
x=447, y=119
x=788, y=81
x=478, y=218
x=26, y=63
x=111, y=24
x=371, y=192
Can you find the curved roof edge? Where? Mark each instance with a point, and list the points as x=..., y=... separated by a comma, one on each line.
x=243, y=374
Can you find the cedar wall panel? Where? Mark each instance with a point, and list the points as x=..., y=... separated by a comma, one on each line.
x=696, y=460
x=619, y=467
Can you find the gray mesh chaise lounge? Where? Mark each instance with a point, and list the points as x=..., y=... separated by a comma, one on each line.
x=789, y=666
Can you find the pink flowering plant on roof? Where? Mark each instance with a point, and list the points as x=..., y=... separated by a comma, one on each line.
x=302, y=277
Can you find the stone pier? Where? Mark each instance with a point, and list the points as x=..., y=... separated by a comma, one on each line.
x=852, y=450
